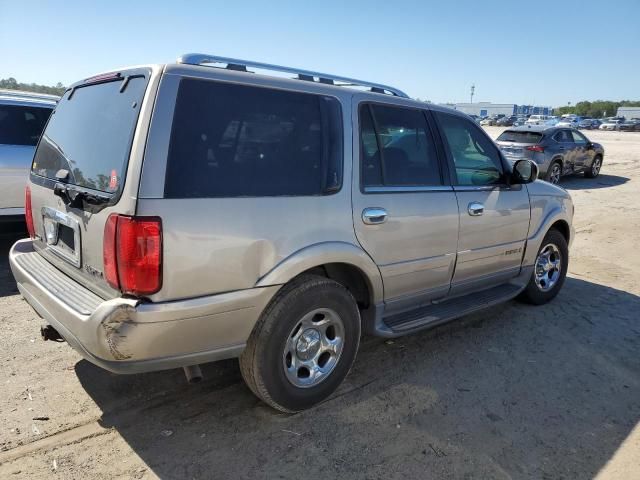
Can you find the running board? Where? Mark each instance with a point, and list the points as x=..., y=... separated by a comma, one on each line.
x=437, y=313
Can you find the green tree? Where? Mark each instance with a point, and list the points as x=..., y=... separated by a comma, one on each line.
x=12, y=84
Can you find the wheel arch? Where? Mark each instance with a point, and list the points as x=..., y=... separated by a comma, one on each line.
x=341, y=261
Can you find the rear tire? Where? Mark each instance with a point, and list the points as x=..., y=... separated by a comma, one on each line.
x=549, y=271
x=554, y=173
x=594, y=170
x=304, y=344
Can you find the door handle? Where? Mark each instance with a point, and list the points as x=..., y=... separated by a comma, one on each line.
x=475, y=209
x=560, y=148
x=374, y=215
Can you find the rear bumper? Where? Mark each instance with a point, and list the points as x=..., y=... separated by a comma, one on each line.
x=125, y=335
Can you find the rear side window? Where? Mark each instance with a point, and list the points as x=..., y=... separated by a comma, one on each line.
x=232, y=140
x=397, y=148
x=519, y=137
x=22, y=125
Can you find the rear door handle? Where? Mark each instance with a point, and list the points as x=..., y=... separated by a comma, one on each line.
x=374, y=215
x=475, y=209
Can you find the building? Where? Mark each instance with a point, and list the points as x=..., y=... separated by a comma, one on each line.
x=487, y=109
x=629, y=112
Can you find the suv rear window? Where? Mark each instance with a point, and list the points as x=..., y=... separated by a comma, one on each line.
x=519, y=137
x=90, y=134
x=231, y=140
x=22, y=125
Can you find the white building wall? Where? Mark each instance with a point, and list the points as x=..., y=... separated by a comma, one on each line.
x=483, y=108
x=629, y=112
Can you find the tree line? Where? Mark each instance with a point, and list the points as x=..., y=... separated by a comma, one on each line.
x=12, y=84
x=596, y=109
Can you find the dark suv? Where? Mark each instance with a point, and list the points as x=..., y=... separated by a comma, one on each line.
x=556, y=151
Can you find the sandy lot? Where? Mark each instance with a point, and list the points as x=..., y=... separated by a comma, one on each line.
x=515, y=392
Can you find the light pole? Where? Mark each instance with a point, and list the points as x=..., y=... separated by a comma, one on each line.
x=473, y=89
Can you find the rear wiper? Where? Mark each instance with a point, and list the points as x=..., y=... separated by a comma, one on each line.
x=76, y=198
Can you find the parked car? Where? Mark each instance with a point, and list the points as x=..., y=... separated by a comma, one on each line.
x=23, y=116
x=491, y=121
x=519, y=121
x=537, y=120
x=506, y=121
x=588, y=123
x=629, y=126
x=610, y=124
x=218, y=213
x=556, y=150
x=568, y=122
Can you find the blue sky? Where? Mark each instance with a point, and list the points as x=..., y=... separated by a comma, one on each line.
x=542, y=52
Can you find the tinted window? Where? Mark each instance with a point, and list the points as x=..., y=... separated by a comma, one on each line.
x=563, y=136
x=235, y=140
x=407, y=157
x=90, y=134
x=579, y=138
x=22, y=125
x=475, y=157
x=519, y=137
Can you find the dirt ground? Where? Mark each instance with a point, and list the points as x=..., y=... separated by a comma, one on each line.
x=515, y=392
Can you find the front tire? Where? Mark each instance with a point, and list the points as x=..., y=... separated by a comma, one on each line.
x=549, y=270
x=304, y=344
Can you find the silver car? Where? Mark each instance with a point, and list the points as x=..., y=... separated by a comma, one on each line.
x=23, y=116
x=196, y=211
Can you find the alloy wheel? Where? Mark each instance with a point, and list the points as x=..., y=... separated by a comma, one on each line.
x=313, y=348
x=548, y=267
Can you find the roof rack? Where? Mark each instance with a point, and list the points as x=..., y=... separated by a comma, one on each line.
x=241, y=65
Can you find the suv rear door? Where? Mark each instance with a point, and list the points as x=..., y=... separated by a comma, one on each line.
x=90, y=151
x=405, y=214
x=494, y=216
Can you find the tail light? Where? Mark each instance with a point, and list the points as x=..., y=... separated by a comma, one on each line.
x=535, y=148
x=28, y=212
x=132, y=253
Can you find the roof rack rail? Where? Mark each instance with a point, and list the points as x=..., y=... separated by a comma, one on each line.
x=241, y=65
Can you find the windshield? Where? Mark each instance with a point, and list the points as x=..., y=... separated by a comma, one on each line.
x=519, y=137
x=90, y=134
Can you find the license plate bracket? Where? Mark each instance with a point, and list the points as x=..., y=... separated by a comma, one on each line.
x=62, y=235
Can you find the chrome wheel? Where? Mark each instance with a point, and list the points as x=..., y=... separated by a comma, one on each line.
x=548, y=267
x=556, y=172
x=596, y=166
x=313, y=348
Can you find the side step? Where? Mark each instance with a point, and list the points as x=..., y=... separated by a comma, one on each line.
x=437, y=313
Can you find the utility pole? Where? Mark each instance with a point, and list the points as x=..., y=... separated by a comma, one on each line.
x=473, y=89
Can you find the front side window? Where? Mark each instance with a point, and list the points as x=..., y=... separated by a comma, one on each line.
x=231, y=140
x=475, y=157
x=22, y=125
x=397, y=148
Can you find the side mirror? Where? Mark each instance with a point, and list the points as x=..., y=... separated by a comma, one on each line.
x=524, y=171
